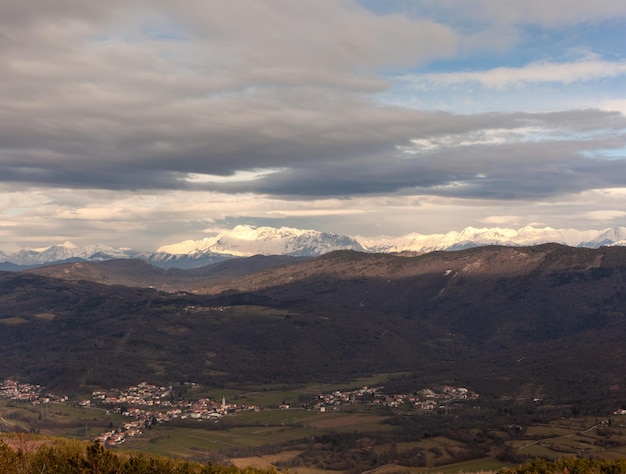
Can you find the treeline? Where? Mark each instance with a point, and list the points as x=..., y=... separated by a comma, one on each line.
x=569, y=465
x=26, y=454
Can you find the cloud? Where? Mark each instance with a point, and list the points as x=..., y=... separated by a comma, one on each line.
x=500, y=220
x=605, y=214
x=491, y=27
x=265, y=98
x=164, y=117
x=528, y=155
x=325, y=34
x=588, y=67
x=555, y=13
x=615, y=105
x=132, y=97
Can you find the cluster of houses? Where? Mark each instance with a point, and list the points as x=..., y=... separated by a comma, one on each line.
x=143, y=394
x=147, y=405
x=25, y=392
x=144, y=404
x=426, y=399
x=194, y=309
x=119, y=435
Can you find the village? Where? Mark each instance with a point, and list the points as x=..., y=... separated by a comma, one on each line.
x=426, y=399
x=195, y=309
x=146, y=405
x=25, y=392
x=149, y=405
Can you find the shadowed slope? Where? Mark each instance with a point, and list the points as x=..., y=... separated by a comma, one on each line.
x=548, y=318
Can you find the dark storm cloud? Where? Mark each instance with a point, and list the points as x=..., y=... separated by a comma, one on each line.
x=341, y=148
x=525, y=171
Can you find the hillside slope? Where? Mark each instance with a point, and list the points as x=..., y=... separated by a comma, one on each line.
x=137, y=273
x=546, y=321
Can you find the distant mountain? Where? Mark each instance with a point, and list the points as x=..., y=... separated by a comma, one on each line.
x=612, y=236
x=141, y=274
x=472, y=237
x=67, y=251
x=245, y=241
x=196, y=260
x=248, y=240
x=242, y=241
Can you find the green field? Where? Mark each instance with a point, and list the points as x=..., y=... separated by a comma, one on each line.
x=274, y=395
x=306, y=440
x=250, y=430
x=580, y=437
x=58, y=419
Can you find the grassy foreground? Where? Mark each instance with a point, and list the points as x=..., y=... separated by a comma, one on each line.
x=570, y=465
x=26, y=454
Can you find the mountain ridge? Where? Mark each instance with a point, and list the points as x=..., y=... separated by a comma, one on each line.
x=246, y=241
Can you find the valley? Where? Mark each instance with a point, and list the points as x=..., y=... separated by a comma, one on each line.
x=535, y=332
x=358, y=429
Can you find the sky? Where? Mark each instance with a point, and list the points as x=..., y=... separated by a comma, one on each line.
x=142, y=123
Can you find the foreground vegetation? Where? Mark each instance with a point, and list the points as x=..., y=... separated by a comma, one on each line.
x=478, y=435
x=569, y=465
x=25, y=454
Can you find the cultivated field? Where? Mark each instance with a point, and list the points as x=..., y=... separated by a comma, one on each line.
x=308, y=441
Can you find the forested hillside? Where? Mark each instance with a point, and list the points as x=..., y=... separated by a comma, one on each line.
x=548, y=318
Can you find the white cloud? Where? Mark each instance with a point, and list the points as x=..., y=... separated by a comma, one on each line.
x=238, y=176
x=500, y=220
x=618, y=105
x=486, y=136
x=590, y=67
x=605, y=214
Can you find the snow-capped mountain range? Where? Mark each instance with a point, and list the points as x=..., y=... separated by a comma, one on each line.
x=471, y=237
x=246, y=240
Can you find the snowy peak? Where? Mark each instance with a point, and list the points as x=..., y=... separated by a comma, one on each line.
x=472, y=237
x=248, y=241
x=65, y=251
x=188, y=247
x=245, y=240
x=611, y=236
